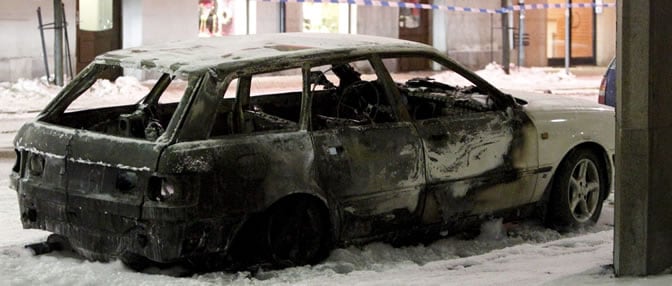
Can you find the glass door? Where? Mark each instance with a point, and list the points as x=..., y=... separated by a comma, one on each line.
x=581, y=32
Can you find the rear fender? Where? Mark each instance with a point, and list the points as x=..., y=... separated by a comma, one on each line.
x=246, y=173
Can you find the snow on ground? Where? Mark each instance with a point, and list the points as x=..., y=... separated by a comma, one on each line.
x=523, y=253
x=540, y=79
x=25, y=95
x=504, y=254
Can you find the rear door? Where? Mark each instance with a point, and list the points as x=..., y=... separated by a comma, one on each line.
x=368, y=159
x=375, y=172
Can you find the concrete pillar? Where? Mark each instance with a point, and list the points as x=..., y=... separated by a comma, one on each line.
x=643, y=218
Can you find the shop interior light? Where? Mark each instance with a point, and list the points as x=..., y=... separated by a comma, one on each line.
x=95, y=15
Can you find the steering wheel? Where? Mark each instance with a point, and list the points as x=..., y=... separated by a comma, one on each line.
x=359, y=100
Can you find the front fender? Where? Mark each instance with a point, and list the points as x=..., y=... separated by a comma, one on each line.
x=561, y=132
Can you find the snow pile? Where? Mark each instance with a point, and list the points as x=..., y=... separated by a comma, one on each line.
x=103, y=93
x=451, y=261
x=492, y=230
x=26, y=95
x=539, y=79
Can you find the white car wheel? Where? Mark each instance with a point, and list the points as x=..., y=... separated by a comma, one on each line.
x=578, y=190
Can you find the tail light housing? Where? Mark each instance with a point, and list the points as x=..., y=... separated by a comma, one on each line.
x=36, y=164
x=173, y=190
x=603, y=91
x=17, y=163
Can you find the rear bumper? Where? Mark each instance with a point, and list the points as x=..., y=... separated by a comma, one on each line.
x=100, y=230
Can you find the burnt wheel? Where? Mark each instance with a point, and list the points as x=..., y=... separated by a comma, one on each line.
x=578, y=188
x=297, y=233
x=135, y=262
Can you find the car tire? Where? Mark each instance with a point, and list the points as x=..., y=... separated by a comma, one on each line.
x=577, y=192
x=297, y=233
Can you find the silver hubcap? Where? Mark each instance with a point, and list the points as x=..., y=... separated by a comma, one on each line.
x=584, y=190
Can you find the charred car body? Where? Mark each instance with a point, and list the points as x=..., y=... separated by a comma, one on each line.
x=209, y=163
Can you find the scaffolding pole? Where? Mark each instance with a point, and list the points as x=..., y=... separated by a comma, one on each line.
x=44, y=45
x=506, y=56
x=58, y=42
x=68, y=56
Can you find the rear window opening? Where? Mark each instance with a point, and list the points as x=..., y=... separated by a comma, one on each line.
x=120, y=101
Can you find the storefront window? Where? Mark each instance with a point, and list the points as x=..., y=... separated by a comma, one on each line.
x=95, y=15
x=328, y=18
x=221, y=18
x=409, y=18
x=582, y=29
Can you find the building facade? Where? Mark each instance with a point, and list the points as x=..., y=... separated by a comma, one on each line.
x=474, y=39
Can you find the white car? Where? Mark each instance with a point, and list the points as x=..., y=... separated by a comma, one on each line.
x=277, y=148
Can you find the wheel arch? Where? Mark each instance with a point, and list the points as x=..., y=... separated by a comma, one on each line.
x=602, y=155
x=246, y=238
x=547, y=207
x=328, y=207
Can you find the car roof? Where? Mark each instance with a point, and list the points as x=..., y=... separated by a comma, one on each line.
x=231, y=52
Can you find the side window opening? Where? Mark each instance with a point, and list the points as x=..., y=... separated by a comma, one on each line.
x=347, y=94
x=260, y=103
x=438, y=93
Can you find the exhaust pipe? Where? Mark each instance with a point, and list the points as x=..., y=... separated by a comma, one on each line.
x=54, y=242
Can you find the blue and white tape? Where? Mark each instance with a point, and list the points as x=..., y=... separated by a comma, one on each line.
x=402, y=4
x=560, y=6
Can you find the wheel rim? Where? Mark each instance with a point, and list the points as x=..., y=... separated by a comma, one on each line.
x=294, y=235
x=584, y=190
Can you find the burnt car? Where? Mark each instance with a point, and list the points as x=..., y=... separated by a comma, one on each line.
x=278, y=148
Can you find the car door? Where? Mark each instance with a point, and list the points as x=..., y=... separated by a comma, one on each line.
x=478, y=150
x=470, y=168
x=374, y=170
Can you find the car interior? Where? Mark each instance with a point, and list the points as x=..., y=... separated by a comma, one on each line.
x=342, y=95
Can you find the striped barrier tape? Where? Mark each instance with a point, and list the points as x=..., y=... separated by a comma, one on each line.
x=401, y=4
x=559, y=6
